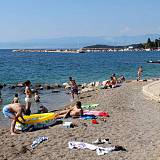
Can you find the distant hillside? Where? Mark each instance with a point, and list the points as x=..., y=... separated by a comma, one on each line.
x=112, y=47
x=77, y=42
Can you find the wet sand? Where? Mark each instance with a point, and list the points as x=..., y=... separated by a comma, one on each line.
x=134, y=123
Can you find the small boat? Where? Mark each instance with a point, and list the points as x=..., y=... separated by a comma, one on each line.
x=150, y=61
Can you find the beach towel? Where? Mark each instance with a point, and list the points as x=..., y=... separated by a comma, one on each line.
x=82, y=145
x=89, y=106
x=87, y=117
x=96, y=113
x=37, y=141
x=99, y=150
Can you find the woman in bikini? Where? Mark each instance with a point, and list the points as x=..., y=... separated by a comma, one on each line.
x=28, y=98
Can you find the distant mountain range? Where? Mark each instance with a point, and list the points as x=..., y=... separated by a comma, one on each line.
x=77, y=42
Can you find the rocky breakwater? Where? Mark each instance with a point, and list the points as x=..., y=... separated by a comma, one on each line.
x=19, y=87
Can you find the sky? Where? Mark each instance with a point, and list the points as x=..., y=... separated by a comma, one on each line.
x=42, y=19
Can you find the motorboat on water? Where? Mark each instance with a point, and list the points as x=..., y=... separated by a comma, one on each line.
x=150, y=61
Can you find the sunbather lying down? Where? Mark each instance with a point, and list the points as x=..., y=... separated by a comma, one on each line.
x=73, y=112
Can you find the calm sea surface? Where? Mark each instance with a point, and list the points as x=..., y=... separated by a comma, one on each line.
x=57, y=67
x=87, y=67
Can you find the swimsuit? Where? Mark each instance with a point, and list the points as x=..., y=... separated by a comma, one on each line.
x=74, y=89
x=27, y=99
x=68, y=115
x=7, y=112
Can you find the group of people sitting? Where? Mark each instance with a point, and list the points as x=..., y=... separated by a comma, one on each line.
x=114, y=81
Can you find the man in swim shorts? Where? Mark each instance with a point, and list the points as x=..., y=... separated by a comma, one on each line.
x=14, y=111
x=74, y=87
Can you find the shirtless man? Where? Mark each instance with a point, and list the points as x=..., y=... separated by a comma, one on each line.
x=73, y=112
x=74, y=87
x=14, y=111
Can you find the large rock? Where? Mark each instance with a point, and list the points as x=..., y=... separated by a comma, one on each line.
x=84, y=85
x=65, y=84
x=12, y=87
x=47, y=86
x=55, y=91
x=91, y=84
x=38, y=85
x=1, y=86
x=89, y=89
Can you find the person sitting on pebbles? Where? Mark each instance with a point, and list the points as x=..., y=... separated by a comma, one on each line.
x=13, y=111
x=73, y=112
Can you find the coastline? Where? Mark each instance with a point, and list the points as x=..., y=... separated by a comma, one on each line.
x=133, y=123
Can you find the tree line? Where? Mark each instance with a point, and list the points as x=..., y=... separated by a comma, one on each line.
x=152, y=44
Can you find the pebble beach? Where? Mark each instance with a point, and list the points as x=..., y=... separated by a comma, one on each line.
x=133, y=123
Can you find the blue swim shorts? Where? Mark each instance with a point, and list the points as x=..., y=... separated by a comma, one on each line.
x=7, y=112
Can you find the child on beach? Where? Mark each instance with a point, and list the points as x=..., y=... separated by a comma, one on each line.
x=42, y=109
x=15, y=99
x=36, y=97
x=73, y=112
x=28, y=98
x=13, y=112
x=74, y=87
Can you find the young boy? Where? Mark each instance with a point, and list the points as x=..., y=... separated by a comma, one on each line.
x=42, y=109
x=36, y=97
x=13, y=112
x=15, y=99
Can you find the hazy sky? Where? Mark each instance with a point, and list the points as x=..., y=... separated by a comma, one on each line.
x=33, y=19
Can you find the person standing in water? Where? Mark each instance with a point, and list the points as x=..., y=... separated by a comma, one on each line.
x=15, y=99
x=74, y=87
x=28, y=98
x=37, y=97
x=139, y=73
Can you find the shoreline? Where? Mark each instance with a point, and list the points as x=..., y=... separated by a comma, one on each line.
x=133, y=123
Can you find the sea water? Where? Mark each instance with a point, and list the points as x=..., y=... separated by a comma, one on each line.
x=85, y=67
